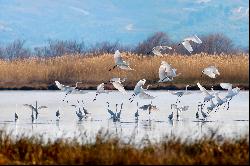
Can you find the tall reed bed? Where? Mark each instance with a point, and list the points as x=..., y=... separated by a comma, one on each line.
x=92, y=70
x=108, y=149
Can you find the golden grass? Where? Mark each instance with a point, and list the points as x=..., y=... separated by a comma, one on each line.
x=108, y=149
x=92, y=70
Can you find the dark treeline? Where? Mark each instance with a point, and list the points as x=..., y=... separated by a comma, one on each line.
x=212, y=44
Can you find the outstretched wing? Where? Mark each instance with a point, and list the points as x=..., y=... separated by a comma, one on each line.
x=111, y=112
x=227, y=86
x=157, y=50
x=144, y=95
x=119, y=87
x=187, y=45
x=194, y=39
x=29, y=106
x=59, y=86
x=214, y=70
x=202, y=89
x=41, y=107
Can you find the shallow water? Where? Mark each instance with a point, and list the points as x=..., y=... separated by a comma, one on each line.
x=230, y=123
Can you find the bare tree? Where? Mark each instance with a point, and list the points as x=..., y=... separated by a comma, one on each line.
x=158, y=38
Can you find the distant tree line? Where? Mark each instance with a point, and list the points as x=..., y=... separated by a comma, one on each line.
x=211, y=44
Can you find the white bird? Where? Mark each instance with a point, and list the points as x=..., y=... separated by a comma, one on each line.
x=180, y=93
x=157, y=49
x=138, y=90
x=100, y=89
x=119, y=62
x=208, y=96
x=210, y=71
x=187, y=45
x=166, y=72
x=231, y=92
x=69, y=89
x=117, y=83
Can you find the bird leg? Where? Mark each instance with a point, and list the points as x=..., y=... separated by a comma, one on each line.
x=95, y=97
x=113, y=68
x=131, y=99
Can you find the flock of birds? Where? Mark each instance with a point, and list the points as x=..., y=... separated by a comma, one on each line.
x=166, y=73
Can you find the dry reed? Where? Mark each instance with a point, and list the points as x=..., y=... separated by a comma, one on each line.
x=92, y=70
x=108, y=149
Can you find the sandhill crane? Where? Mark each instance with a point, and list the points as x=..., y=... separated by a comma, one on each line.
x=16, y=116
x=35, y=108
x=137, y=113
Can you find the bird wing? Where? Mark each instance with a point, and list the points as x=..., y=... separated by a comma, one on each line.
x=59, y=86
x=41, y=107
x=202, y=89
x=77, y=91
x=100, y=88
x=29, y=106
x=139, y=85
x=166, y=47
x=156, y=50
x=144, y=95
x=227, y=86
x=194, y=39
x=119, y=87
x=187, y=45
x=214, y=70
x=111, y=112
x=162, y=72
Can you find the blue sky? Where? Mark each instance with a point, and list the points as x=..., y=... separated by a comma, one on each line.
x=126, y=21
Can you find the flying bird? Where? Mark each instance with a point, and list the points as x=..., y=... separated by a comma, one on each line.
x=157, y=49
x=187, y=45
x=119, y=62
x=138, y=90
x=231, y=92
x=117, y=83
x=69, y=89
x=166, y=72
x=210, y=71
x=100, y=89
x=208, y=96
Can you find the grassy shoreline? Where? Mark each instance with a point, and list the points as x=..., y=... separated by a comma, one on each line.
x=40, y=73
x=108, y=149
